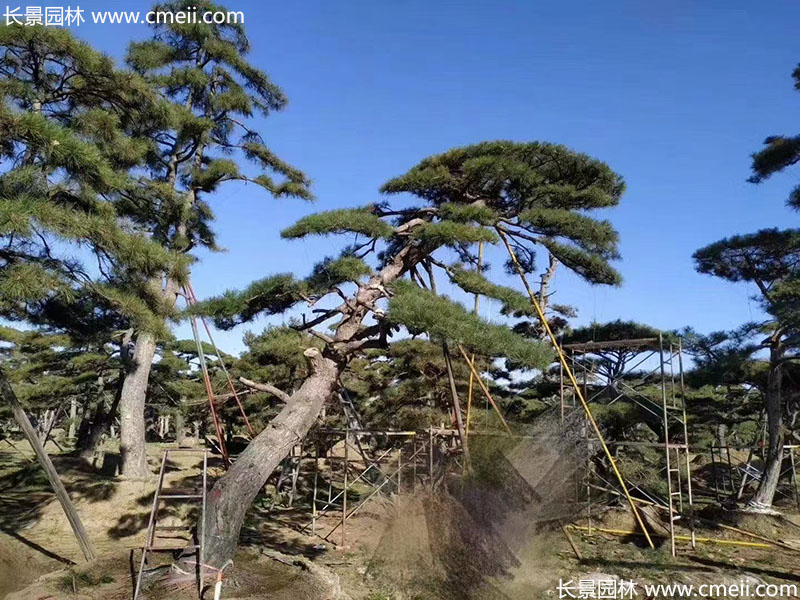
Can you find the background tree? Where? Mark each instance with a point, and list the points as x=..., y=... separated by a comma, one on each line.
x=195, y=145
x=769, y=258
x=611, y=363
x=726, y=364
x=779, y=153
x=536, y=193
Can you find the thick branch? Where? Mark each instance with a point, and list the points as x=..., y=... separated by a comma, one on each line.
x=267, y=387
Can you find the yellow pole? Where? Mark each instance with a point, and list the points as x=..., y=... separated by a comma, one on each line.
x=575, y=384
x=471, y=360
x=684, y=538
x=483, y=387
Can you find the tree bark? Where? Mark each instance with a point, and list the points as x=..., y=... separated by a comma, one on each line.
x=131, y=408
x=181, y=439
x=73, y=416
x=765, y=493
x=101, y=422
x=232, y=496
x=46, y=464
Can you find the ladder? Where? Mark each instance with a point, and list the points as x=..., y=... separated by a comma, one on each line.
x=170, y=494
x=673, y=404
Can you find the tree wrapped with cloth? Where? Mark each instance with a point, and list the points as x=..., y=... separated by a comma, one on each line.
x=536, y=194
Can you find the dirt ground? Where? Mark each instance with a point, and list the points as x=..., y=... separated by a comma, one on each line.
x=401, y=547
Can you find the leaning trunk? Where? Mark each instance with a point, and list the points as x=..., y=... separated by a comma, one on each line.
x=232, y=496
x=772, y=469
x=131, y=408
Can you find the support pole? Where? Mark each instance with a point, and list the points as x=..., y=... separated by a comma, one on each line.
x=456, y=406
x=344, y=497
x=430, y=456
x=483, y=387
x=575, y=384
x=471, y=360
x=52, y=475
x=314, y=497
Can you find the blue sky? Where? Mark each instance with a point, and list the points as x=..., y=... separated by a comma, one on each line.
x=674, y=96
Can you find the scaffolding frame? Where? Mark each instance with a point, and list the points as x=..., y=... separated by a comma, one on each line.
x=668, y=376
x=419, y=453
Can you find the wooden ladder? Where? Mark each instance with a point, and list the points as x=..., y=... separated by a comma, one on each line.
x=170, y=494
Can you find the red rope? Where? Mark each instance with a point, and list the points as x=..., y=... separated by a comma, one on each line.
x=191, y=294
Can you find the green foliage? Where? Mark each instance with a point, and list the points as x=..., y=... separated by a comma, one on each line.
x=332, y=272
x=448, y=233
x=770, y=258
x=534, y=192
x=591, y=267
x=66, y=154
x=766, y=256
x=422, y=311
x=614, y=331
x=779, y=153
x=511, y=177
x=514, y=303
x=271, y=295
x=346, y=220
x=589, y=234
x=468, y=213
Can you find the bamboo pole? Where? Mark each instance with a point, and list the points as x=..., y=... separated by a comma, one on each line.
x=456, y=406
x=684, y=538
x=47, y=465
x=471, y=360
x=576, y=385
x=483, y=387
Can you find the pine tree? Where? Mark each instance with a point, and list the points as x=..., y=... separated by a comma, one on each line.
x=611, y=363
x=779, y=153
x=534, y=193
x=768, y=258
x=64, y=158
x=196, y=141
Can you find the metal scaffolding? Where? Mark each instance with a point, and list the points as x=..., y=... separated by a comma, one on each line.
x=655, y=362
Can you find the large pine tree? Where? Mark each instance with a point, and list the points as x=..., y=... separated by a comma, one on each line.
x=535, y=193
x=212, y=93
x=64, y=160
x=770, y=259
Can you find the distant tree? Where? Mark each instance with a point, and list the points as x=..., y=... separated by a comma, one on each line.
x=534, y=193
x=770, y=259
x=197, y=142
x=611, y=363
x=727, y=362
x=779, y=153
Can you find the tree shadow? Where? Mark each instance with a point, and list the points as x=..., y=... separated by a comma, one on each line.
x=25, y=491
x=185, y=511
x=33, y=545
x=750, y=568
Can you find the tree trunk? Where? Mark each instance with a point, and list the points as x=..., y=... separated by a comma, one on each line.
x=44, y=460
x=772, y=469
x=232, y=496
x=101, y=422
x=73, y=416
x=131, y=409
x=181, y=439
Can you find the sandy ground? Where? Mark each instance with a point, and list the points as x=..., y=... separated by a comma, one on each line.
x=453, y=546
